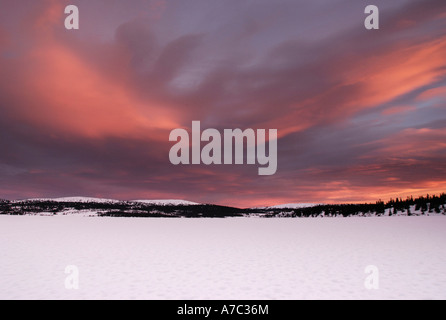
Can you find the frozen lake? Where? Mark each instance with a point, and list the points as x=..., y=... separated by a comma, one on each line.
x=236, y=258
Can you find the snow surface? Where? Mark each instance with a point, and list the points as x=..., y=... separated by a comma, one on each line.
x=234, y=258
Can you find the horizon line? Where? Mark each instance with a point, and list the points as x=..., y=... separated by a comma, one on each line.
x=318, y=203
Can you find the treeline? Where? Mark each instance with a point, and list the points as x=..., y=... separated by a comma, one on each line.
x=410, y=206
x=174, y=211
x=424, y=203
x=4, y=206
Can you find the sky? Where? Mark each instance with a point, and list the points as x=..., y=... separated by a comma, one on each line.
x=360, y=114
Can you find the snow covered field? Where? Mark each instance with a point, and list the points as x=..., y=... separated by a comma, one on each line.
x=235, y=258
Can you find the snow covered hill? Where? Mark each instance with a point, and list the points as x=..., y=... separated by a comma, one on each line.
x=71, y=199
x=167, y=202
x=295, y=205
x=101, y=200
x=87, y=206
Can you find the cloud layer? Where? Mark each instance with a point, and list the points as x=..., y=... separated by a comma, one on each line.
x=360, y=114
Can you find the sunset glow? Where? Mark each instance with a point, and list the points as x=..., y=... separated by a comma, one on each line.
x=360, y=114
